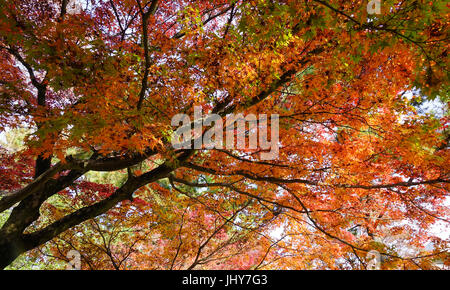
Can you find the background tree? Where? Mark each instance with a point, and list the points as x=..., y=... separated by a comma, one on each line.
x=94, y=85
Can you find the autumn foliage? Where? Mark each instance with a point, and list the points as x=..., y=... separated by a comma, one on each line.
x=92, y=87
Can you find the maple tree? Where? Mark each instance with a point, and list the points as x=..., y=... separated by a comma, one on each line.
x=94, y=85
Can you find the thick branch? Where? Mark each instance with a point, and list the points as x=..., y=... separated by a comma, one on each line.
x=102, y=164
x=10, y=199
x=145, y=17
x=123, y=193
x=313, y=183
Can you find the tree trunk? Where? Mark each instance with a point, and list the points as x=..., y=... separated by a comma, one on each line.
x=10, y=249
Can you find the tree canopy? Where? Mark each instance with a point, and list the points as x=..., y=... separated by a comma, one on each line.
x=88, y=90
